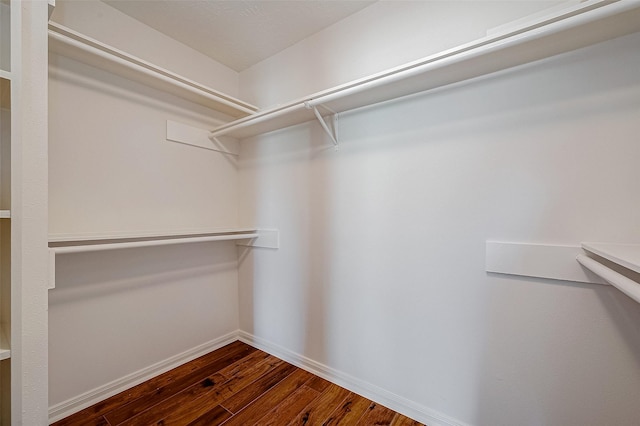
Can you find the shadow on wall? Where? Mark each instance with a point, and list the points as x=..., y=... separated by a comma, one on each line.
x=381, y=269
x=95, y=274
x=304, y=267
x=128, y=309
x=556, y=352
x=554, y=100
x=572, y=356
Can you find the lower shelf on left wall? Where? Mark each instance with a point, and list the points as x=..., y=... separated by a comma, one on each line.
x=68, y=243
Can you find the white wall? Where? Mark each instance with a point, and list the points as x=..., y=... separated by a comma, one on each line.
x=115, y=313
x=381, y=36
x=380, y=274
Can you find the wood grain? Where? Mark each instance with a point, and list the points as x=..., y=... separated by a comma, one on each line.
x=376, y=414
x=119, y=401
x=289, y=408
x=236, y=385
x=319, y=410
x=349, y=411
x=253, y=412
x=175, y=384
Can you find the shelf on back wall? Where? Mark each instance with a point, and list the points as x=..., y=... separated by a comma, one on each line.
x=5, y=214
x=77, y=46
x=578, y=26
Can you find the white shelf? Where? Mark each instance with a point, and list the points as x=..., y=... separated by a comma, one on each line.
x=74, y=45
x=118, y=244
x=550, y=261
x=625, y=255
x=5, y=351
x=5, y=214
x=590, y=23
x=119, y=236
x=68, y=243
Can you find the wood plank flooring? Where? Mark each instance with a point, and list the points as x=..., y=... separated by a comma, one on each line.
x=236, y=385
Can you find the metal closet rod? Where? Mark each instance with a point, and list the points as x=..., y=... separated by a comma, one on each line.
x=149, y=243
x=619, y=281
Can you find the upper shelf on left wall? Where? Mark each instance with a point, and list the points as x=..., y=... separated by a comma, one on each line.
x=74, y=45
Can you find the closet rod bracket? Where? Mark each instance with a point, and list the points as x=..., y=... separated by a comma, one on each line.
x=331, y=131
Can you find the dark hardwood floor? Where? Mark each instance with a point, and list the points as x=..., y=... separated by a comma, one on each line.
x=236, y=385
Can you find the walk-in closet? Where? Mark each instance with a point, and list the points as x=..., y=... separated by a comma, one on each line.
x=424, y=211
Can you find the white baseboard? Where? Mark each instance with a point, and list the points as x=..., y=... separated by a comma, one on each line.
x=388, y=399
x=73, y=405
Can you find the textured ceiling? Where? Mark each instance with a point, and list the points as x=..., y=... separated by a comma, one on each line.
x=239, y=33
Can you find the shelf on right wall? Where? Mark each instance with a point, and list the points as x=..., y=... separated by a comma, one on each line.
x=593, y=263
x=624, y=274
x=625, y=255
x=573, y=28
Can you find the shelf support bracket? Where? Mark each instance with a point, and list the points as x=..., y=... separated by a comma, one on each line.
x=267, y=238
x=331, y=131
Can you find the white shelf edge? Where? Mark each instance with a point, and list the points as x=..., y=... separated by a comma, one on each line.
x=5, y=351
x=154, y=242
x=556, y=262
x=248, y=237
x=6, y=75
x=5, y=214
x=625, y=284
x=68, y=238
x=625, y=255
x=557, y=33
x=75, y=45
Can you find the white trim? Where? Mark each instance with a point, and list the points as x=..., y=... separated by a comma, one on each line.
x=388, y=399
x=393, y=401
x=75, y=404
